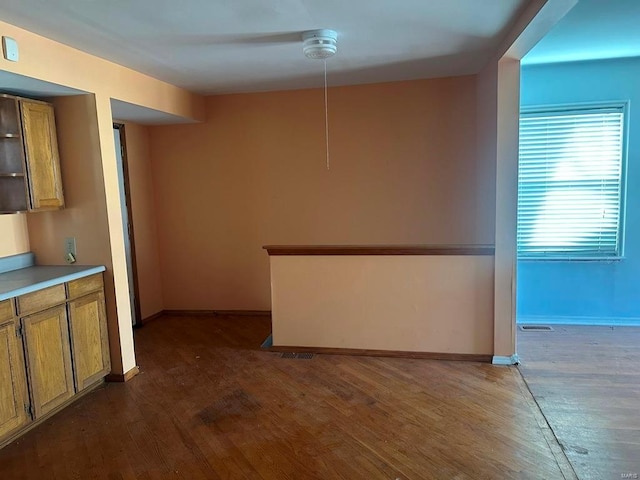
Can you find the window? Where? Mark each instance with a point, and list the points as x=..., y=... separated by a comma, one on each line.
x=570, y=183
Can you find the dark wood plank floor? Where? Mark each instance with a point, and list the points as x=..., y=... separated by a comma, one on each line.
x=587, y=383
x=209, y=404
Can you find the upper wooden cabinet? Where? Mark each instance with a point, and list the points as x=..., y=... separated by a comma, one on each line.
x=30, y=177
x=41, y=151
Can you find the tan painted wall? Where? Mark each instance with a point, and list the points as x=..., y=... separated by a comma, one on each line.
x=498, y=112
x=14, y=235
x=85, y=214
x=403, y=170
x=50, y=61
x=438, y=304
x=144, y=219
x=55, y=62
x=250, y=175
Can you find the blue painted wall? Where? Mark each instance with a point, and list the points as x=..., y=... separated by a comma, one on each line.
x=587, y=292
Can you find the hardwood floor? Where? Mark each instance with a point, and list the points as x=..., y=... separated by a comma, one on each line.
x=586, y=380
x=209, y=404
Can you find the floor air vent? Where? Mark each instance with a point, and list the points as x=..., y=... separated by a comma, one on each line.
x=536, y=328
x=303, y=356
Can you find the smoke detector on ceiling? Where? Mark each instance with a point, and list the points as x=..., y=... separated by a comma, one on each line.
x=319, y=44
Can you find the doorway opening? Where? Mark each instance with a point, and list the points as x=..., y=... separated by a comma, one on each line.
x=127, y=221
x=578, y=242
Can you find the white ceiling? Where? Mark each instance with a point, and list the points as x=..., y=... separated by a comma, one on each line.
x=223, y=46
x=30, y=87
x=592, y=30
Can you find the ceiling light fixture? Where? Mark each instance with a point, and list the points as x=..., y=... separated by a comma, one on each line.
x=320, y=45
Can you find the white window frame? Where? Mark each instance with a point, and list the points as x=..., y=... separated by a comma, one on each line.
x=569, y=109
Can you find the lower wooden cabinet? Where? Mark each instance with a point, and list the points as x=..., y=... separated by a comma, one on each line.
x=14, y=398
x=89, y=339
x=53, y=345
x=48, y=353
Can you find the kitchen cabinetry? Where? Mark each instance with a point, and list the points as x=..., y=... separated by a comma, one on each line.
x=57, y=344
x=41, y=153
x=88, y=327
x=46, y=342
x=30, y=177
x=13, y=394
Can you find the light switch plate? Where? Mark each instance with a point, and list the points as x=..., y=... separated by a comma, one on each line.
x=10, y=49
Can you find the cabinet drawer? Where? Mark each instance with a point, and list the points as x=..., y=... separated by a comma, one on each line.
x=41, y=300
x=82, y=286
x=6, y=310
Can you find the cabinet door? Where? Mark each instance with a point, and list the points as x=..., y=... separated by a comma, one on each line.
x=89, y=339
x=48, y=352
x=41, y=149
x=13, y=379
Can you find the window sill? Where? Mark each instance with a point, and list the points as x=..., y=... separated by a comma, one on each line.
x=572, y=259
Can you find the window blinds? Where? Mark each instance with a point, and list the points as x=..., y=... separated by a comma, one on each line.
x=570, y=183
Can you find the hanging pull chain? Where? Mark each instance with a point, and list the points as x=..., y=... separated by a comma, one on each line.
x=326, y=113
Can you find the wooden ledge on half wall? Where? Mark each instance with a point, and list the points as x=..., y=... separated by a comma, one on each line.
x=304, y=250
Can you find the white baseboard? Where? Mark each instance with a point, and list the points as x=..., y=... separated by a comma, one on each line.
x=504, y=360
x=574, y=320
